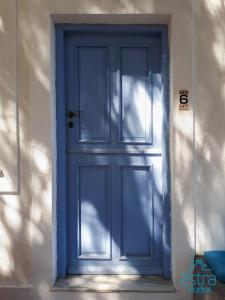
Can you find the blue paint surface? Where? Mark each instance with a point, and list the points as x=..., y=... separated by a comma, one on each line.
x=112, y=201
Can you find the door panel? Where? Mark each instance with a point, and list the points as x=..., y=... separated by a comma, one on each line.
x=114, y=183
x=135, y=99
x=136, y=211
x=140, y=223
x=93, y=98
x=93, y=215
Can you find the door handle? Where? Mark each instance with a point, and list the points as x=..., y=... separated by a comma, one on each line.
x=71, y=114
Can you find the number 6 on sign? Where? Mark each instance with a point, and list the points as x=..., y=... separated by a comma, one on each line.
x=183, y=100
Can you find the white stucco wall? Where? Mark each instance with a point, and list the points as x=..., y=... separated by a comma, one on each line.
x=27, y=133
x=210, y=124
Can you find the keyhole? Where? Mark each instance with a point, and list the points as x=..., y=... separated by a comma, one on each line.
x=70, y=124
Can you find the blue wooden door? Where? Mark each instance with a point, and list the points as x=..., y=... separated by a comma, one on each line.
x=114, y=152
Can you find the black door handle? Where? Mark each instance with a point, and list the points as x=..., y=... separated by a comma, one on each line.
x=72, y=114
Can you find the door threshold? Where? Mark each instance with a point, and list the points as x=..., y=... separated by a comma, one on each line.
x=114, y=284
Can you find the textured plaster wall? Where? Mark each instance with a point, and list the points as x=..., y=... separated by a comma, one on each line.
x=27, y=133
x=210, y=124
x=16, y=221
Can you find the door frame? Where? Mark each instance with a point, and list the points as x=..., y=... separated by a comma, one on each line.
x=61, y=211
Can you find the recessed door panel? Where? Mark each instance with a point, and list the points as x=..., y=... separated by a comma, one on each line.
x=135, y=97
x=93, y=216
x=93, y=97
x=136, y=211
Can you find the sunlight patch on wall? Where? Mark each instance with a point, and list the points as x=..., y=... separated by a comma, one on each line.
x=41, y=160
x=198, y=134
x=6, y=183
x=4, y=237
x=201, y=243
x=42, y=193
x=214, y=6
x=6, y=262
x=13, y=218
x=41, y=76
x=2, y=29
x=207, y=153
x=223, y=152
x=218, y=47
x=8, y=145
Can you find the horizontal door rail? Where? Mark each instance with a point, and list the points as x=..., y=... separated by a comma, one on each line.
x=152, y=151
